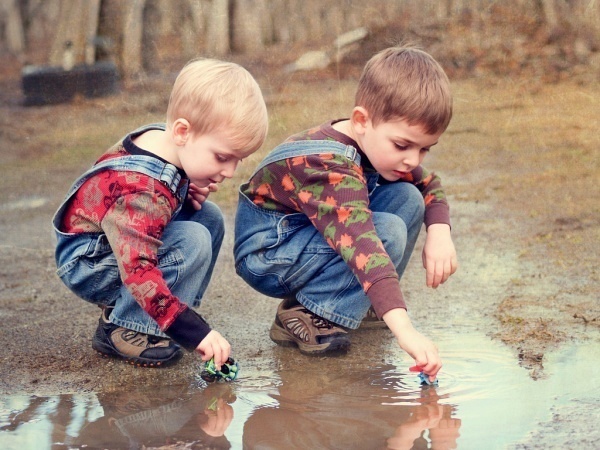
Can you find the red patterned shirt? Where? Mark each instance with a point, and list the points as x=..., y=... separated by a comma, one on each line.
x=132, y=210
x=331, y=191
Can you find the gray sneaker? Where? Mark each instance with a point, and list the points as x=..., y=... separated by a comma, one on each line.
x=142, y=350
x=295, y=325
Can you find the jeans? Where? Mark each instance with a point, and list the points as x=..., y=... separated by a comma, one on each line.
x=283, y=255
x=186, y=258
x=191, y=244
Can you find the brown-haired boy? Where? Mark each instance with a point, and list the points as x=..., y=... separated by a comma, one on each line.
x=329, y=219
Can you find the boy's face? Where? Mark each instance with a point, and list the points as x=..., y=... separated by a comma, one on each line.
x=208, y=158
x=394, y=148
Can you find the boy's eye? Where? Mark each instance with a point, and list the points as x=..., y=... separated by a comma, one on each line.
x=400, y=146
x=222, y=158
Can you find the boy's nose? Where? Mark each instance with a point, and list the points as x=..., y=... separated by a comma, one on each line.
x=411, y=160
x=229, y=170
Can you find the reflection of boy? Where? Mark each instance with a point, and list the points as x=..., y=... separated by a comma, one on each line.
x=346, y=412
x=140, y=419
x=329, y=219
x=129, y=241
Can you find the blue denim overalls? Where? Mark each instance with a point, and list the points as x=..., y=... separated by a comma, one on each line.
x=281, y=254
x=190, y=244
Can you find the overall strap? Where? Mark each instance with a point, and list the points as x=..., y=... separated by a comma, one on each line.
x=155, y=168
x=306, y=148
x=148, y=165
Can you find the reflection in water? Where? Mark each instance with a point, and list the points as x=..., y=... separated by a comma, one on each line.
x=306, y=411
x=352, y=410
x=124, y=419
x=484, y=400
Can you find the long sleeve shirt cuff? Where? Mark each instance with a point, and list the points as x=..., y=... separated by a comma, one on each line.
x=437, y=213
x=188, y=329
x=385, y=295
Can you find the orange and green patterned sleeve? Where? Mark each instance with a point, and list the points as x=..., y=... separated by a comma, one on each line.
x=331, y=191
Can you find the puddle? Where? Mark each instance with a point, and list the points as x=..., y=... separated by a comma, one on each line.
x=484, y=400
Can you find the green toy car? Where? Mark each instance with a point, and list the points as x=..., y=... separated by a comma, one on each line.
x=227, y=372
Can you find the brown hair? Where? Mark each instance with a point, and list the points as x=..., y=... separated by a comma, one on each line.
x=406, y=83
x=216, y=95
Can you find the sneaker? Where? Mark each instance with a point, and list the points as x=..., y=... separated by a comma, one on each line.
x=371, y=321
x=295, y=325
x=136, y=348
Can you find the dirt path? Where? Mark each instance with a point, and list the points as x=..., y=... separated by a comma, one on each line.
x=519, y=165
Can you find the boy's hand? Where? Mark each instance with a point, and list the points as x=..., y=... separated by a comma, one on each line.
x=214, y=346
x=420, y=348
x=198, y=195
x=218, y=419
x=439, y=255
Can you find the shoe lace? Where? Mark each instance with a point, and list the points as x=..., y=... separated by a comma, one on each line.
x=318, y=321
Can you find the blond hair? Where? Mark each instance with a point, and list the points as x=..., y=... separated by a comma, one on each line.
x=215, y=95
x=406, y=83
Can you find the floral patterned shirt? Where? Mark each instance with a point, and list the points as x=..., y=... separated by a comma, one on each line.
x=331, y=191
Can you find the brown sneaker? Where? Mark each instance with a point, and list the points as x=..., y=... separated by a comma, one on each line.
x=371, y=321
x=136, y=348
x=295, y=325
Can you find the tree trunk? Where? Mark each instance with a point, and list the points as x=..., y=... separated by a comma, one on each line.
x=248, y=17
x=217, y=35
x=15, y=37
x=131, y=53
x=76, y=30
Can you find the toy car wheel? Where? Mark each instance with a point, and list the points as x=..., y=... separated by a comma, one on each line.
x=208, y=377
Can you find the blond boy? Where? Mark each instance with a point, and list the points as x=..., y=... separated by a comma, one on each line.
x=136, y=235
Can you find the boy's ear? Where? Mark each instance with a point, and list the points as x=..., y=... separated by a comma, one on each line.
x=180, y=131
x=359, y=119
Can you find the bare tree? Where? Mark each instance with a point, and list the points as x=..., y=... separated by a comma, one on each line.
x=75, y=33
x=217, y=33
x=11, y=21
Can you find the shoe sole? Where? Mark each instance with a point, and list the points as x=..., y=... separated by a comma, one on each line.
x=281, y=337
x=109, y=352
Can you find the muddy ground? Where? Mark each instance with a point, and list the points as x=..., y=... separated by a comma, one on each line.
x=520, y=163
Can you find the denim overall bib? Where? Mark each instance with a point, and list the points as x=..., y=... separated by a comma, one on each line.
x=70, y=246
x=282, y=255
x=191, y=242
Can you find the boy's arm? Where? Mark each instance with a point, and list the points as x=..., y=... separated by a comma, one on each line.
x=133, y=227
x=420, y=348
x=334, y=196
x=439, y=255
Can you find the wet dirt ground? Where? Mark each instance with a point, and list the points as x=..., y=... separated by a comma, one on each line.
x=520, y=163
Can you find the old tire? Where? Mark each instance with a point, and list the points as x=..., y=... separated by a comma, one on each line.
x=46, y=85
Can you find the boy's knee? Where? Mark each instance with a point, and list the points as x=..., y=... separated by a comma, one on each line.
x=197, y=236
x=191, y=238
x=393, y=233
x=412, y=198
x=210, y=216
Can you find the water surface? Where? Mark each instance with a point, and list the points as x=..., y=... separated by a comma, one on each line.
x=484, y=400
